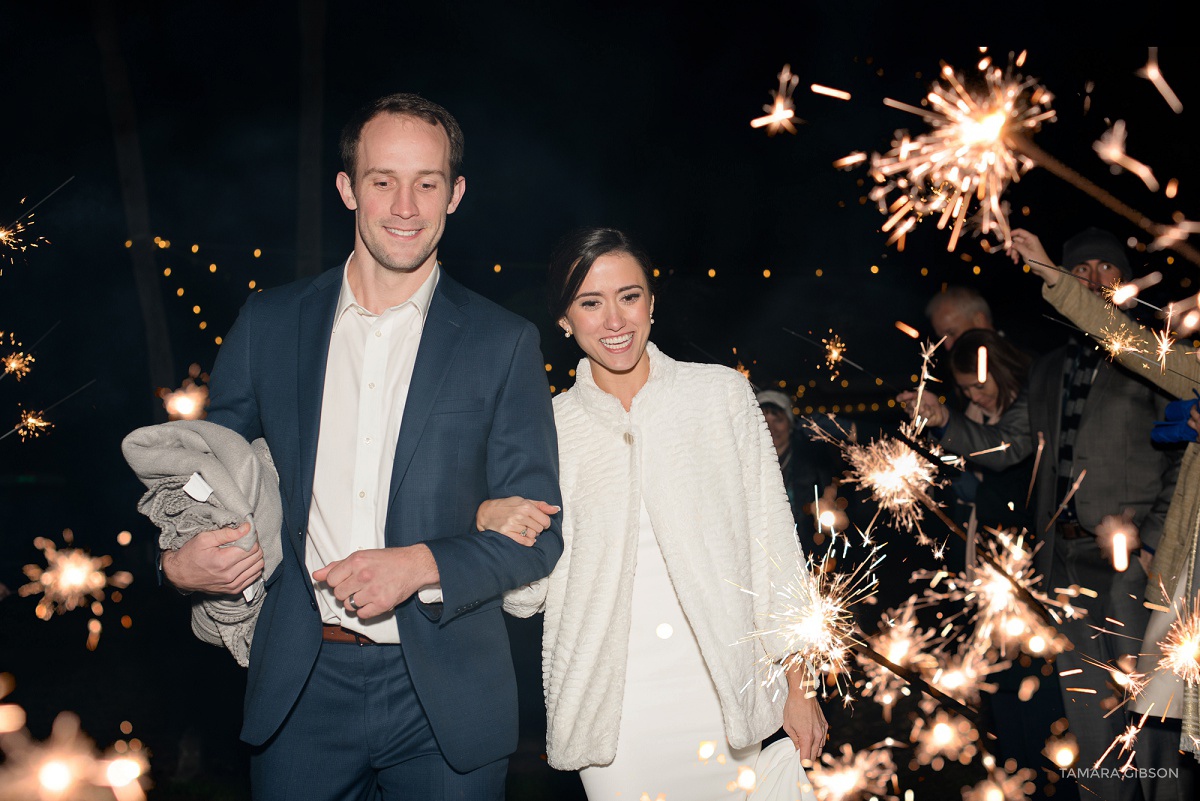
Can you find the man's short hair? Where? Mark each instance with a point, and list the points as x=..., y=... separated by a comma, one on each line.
x=406, y=105
x=966, y=300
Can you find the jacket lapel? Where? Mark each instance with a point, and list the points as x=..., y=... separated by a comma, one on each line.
x=314, y=326
x=440, y=340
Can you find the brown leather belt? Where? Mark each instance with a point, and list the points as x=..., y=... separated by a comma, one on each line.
x=1073, y=531
x=332, y=633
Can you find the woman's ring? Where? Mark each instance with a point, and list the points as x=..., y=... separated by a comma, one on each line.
x=524, y=530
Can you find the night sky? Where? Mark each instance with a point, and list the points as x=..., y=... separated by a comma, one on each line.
x=610, y=114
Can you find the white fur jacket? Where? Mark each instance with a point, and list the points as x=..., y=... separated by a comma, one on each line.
x=695, y=444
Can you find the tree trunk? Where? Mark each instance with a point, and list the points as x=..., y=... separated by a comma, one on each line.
x=311, y=178
x=133, y=193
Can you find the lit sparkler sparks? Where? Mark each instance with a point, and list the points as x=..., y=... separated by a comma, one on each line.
x=12, y=717
x=896, y=475
x=901, y=640
x=13, y=239
x=999, y=786
x=829, y=91
x=72, y=578
x=1111, y=149
x=1119, y=341
x=66, y=767
x=1181, y=648
x=811, y=618
x=30, y=425
x=17, y=364
x=1003, y=618
x=188, y=402
x=1163, y=344
x=835, y=350
x=943, y=736
x=1152, y=73
x=966, y=158
x=780, y=110
x=855, y=774
x=1062, y=751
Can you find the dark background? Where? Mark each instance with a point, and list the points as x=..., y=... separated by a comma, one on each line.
x=611, y=114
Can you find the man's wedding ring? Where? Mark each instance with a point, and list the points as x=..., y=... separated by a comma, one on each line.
x=353, y=605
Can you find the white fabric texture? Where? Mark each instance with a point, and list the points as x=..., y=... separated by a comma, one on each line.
x=695, y=447
x=673, y=742
x=367, y=375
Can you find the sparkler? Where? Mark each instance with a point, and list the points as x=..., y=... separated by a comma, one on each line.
x=12, y=717
x=943, y=736
x=1111, y=149
x=33, y=424
x=780, y=110
x=1152, y=73
x=999, y=786
x=1181, y=648
x=965, y=159
x=835, y=351
x=16, y=364
x=811, y=617
x=188, y=402
x=902, y=642
x=1118, y=341
x=66, y=767
x=855, y=774
x=72, y=578
x=1062, y=751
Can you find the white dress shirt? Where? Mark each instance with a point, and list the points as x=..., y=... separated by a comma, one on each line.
x=367, y=376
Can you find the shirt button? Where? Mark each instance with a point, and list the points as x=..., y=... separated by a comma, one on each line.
x=367, y=440
x=371, y=385
x=378, y=333
x=362, y=494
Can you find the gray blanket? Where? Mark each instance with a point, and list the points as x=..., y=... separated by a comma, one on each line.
x=200, y=476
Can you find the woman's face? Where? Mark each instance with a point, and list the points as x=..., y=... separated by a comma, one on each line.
x=610, y=315
x=986, y=395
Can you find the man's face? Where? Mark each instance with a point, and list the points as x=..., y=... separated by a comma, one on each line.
x=1097, y=274
x=780, y=427
x=402, y=192
x=949, y=321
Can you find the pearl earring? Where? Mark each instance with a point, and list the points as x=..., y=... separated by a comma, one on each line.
x=567, y=333
x=652, y=319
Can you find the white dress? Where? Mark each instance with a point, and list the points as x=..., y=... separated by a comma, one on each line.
x=672, y=742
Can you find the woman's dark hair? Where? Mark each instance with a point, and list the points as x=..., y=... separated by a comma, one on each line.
x=574, y=256
x=1005, y=364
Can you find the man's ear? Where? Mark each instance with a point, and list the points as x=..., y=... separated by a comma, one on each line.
x=456, y=194
x=345, y=188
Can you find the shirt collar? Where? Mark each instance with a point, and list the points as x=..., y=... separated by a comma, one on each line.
x=421, y=299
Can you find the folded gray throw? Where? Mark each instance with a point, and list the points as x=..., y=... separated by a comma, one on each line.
x=239, y=483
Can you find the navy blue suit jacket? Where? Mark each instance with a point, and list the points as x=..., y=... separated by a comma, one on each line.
x=477, y=424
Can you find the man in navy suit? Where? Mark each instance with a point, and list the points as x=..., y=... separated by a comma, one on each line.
x=394, y=401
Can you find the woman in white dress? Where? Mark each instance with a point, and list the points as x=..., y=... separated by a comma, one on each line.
x=676, y=523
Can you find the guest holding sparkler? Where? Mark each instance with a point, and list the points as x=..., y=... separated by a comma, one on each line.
x=1174, y=571
x=672, y=541
x=1090, y=416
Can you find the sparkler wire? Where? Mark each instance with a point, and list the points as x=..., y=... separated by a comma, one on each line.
x=1027, y=148
x=43, y=200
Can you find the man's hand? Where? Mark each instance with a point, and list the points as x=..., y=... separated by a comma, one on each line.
x=937, y=414
x=1028, y=248
x=208, y=563
x=379, y=579
x=803, y=721
x=518, y=519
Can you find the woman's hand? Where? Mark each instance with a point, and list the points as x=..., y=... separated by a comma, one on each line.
x=519, y=519
x=803, y=721
x=937, y=414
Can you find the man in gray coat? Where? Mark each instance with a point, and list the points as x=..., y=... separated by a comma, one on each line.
x=1096, y=416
